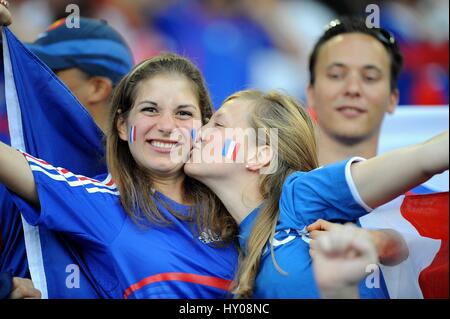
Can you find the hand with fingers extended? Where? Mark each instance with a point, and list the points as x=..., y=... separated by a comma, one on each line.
x=341, y=256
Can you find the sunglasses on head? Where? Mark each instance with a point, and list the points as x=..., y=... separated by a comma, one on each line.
x=381, y=34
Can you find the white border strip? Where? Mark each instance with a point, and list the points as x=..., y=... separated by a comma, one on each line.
x=84, y=184
x=351, y=183
x=31, y=233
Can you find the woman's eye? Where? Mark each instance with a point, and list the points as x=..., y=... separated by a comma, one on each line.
x=368, y=78
x=185, y=114
x=334, y=76
x=149, y=110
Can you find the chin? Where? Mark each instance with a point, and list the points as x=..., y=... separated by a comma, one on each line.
x=351, y=136
x=163, y=166
x=192, y=169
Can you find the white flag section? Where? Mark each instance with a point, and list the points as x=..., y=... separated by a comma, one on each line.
x=415, y=124
x=422, y=220
x=31, y=233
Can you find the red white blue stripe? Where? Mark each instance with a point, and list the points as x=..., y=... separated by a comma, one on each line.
x=230, y=149
x=133, y=134
x=63, y=175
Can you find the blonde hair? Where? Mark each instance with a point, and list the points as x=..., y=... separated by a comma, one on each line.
x=135, y=183
x=296, y=149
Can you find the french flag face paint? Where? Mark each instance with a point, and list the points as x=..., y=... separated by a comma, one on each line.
x=133, y=134
x=230, y=149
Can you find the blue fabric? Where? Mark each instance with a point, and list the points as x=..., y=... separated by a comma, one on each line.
x=118, y=252
x=5, y=284
x=12, y=245
x=323, y=193
x=422, y=189
x=58, y=128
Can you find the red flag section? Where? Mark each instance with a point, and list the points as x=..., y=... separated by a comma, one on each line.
x=429, y=214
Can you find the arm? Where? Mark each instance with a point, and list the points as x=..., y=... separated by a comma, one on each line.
x=15, y=173
x=383, y=178
x=389, y=244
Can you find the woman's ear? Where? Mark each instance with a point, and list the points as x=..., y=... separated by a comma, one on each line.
x=262, y=159
x=122, y=127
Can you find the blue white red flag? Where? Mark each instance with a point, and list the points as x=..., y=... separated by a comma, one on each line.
x=47, y=121
x=423, y=221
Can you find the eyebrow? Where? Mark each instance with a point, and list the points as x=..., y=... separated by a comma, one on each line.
x=148, y=102
x=365, y=67
x=372, y=67
x=182, y=106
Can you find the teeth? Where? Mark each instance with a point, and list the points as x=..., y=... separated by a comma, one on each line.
x=163, y=145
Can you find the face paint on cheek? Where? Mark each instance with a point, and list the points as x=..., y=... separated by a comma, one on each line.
x=132, y=137
x=230, y=149
x=194, y=134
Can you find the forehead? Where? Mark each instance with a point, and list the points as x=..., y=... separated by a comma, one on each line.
x=353, y=49
x=235, y=112
x=167, y=88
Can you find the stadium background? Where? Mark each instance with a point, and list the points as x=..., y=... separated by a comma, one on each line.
x=266, y=43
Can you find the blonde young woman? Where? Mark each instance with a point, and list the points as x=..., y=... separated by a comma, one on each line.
x=142, y=232
x=274, y=209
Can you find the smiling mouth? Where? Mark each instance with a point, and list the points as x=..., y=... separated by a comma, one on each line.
x=351, y=111
x=163, y=145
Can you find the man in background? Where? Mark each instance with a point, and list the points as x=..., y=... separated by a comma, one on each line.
x=353, y=84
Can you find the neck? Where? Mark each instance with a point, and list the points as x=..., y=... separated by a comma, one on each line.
x=332, y=149
x=99, y=113
x=240, y=196
x=171, y=186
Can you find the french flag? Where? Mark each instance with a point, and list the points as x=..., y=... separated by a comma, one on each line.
x=47, y=121
x=230, y=149
x=423, y=221
x=133, y=135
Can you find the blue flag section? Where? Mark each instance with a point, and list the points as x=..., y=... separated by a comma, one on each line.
x=47, y=121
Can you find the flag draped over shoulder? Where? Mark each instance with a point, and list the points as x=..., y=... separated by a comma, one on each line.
x=423, y=221
x=48, y=122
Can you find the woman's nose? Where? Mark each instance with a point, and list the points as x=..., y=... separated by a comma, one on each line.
x=166, y=123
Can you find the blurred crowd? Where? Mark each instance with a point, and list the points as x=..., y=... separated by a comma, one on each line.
x=260, y=43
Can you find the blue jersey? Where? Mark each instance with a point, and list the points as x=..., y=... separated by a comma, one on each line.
x=325, y=193
x=13, y=257
x=125, y=259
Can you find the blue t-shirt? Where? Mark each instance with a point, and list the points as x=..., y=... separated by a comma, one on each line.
x=13, y=257
x=128, y=260
x=325, y=193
